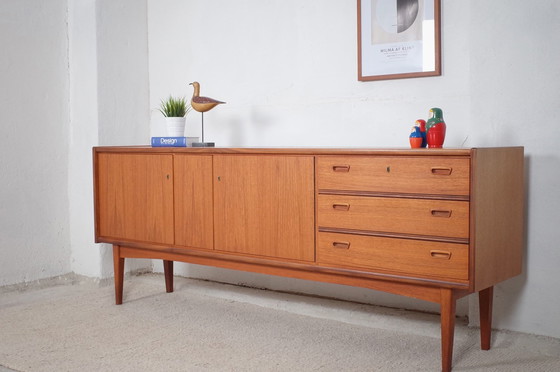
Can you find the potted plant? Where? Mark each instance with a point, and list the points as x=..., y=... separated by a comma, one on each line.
x=175, y=111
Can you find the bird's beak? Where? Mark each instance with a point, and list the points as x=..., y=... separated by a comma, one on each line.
x=190, y=83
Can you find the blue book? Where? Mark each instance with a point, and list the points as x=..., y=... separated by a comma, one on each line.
x=169, y=141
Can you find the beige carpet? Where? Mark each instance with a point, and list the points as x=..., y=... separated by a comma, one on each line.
x=206, y=326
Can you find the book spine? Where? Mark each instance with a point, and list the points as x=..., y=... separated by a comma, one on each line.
x=169, y=141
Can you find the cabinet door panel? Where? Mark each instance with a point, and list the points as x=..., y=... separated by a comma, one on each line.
x=193, y=201
x=264, y=205
x=135, y=197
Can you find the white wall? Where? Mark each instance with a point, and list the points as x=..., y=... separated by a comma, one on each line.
x=287, y=69
x=74, y=74
x=87, y=258
x=34, y=234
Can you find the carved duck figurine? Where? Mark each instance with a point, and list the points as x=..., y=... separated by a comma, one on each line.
x=202, y=104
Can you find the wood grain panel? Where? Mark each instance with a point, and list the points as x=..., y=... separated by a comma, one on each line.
x=498, y=214
x=444, y=152
x=135, y=197
x=424, y=289
x=397, y=174
x=400, y=256
x=193, y=191
x=264, y=205
x=408, y=216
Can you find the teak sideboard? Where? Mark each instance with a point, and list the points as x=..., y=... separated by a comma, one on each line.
x=435, y=225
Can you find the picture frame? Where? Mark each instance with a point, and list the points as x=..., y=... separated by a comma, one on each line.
x=398, y=39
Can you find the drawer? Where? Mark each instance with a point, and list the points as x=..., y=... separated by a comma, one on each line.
x=407, y=257
x=443, y=218
x=433, y=175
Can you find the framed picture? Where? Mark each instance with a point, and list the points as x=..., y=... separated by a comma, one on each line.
x=398, y=39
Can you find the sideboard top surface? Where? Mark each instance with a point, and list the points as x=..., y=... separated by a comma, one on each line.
x=292, y=150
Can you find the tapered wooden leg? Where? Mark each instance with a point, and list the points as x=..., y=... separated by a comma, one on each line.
x=485, y=303
x=118, y=267
x=447, y=328
x=168, y=272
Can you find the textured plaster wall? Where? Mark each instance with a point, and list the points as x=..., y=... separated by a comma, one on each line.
x=73, y=74
x=287, y=69
x=34, y=233
x=87, y=258
x=122, y=66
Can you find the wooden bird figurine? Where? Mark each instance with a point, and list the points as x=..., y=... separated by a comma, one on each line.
x=202, y=104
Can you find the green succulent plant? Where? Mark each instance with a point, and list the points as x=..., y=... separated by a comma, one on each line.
x=174, y=107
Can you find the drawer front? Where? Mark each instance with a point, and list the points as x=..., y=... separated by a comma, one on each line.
x=436, y=260
x=442, y=218
x=410, y=175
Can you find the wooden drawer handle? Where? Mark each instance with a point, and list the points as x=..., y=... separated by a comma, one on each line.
x=341, y=168
x=341, y=206
x=440, y=213
x=341, y=245
x=441, y=171
x=440, y=254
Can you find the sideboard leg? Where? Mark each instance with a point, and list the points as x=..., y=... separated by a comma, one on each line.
x=118, y=267
x=168, y=272
x=485, y=303
x=447, y=310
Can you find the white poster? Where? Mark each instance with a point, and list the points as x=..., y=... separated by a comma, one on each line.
x=397, y=37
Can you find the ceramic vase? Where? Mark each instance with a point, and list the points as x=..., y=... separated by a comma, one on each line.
x=435, y=140
x=175, y=126
x=436, y=135
x=415, y=137
x=436, y=116
x=415, y=142
x=422, y=124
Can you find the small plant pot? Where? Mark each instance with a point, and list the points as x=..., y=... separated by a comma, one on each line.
x=175, y=126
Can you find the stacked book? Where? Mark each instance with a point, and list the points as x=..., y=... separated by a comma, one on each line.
x=169, y=141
